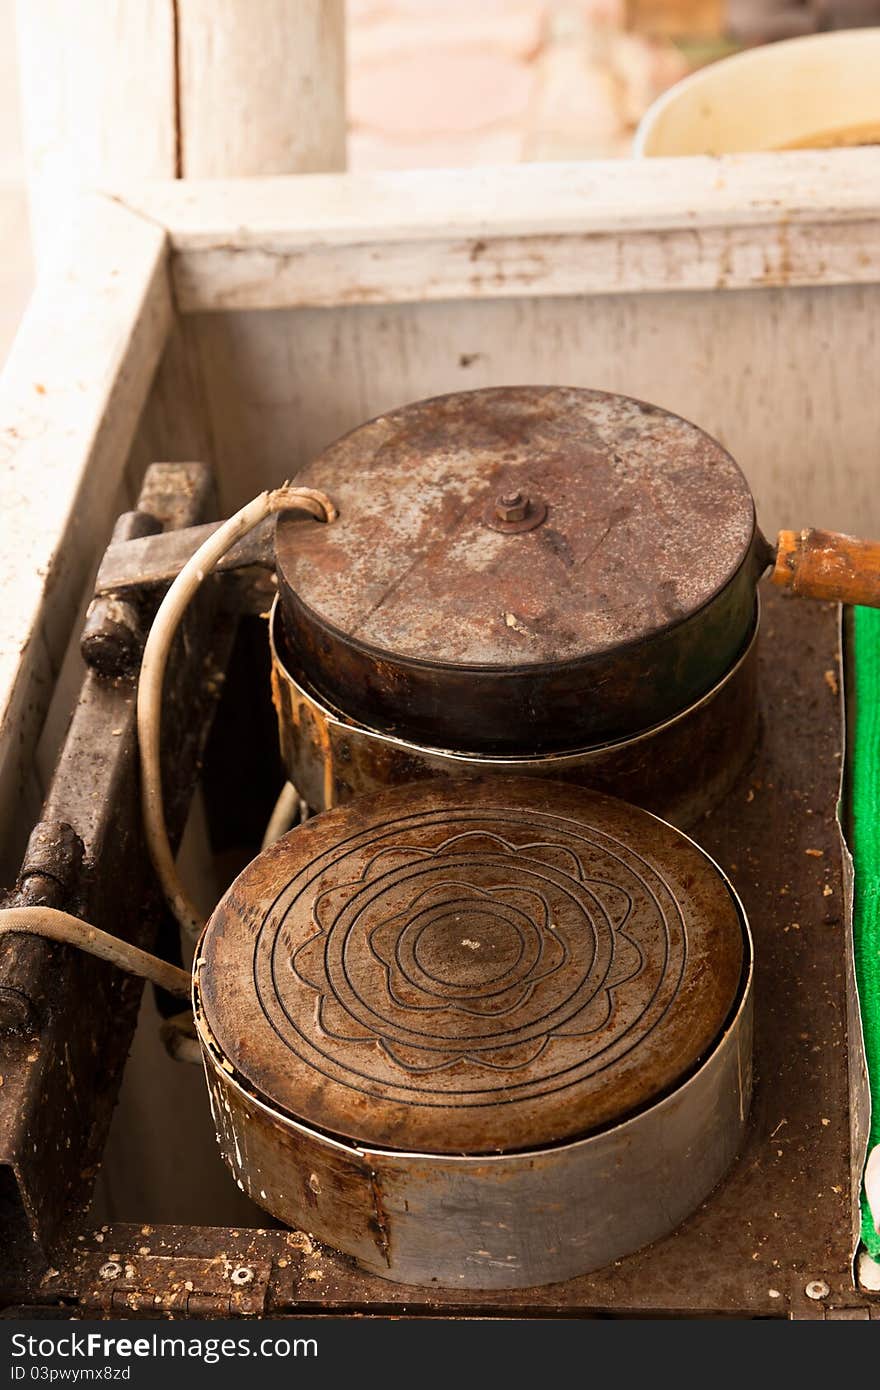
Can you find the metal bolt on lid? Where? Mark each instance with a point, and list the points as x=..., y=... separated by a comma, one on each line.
x=521, y=567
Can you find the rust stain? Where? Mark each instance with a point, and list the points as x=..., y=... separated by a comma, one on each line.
x=633, y=570
x=383, y=1236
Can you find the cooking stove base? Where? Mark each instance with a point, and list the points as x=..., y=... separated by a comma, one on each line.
x=780, y=1223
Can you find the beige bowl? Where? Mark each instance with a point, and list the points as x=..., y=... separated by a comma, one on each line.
x=810, y=92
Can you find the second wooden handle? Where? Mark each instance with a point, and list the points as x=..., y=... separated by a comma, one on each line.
x=826, y=564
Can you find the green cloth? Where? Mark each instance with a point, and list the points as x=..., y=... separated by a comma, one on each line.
x=866, y=857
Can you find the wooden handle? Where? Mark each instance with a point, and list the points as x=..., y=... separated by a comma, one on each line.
x=825, y=564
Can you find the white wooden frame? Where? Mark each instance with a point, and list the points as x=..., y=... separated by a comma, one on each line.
x=598, y=227
x=105, y=313
x=167, y=89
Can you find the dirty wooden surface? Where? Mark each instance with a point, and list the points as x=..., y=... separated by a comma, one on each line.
x=64, y=1040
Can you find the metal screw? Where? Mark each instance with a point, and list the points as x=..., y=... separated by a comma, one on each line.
x=111, y=1270
x=817, y=1289
x=243, y=1275
x=512, y=506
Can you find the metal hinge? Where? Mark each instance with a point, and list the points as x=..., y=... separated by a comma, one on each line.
x=855, y=1312
x=172, y=1284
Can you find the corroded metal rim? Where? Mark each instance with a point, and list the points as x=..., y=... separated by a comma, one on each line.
x=508, y=762
x=214, y=1056
x=410, y=612
x=215, y=1060
x=502, y=1220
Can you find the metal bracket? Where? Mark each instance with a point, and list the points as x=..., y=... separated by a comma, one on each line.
x=134, y=569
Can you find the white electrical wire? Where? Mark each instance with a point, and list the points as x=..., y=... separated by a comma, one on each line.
x=73, y=931
x=149, y=699
x=289, y=810
x=60, y=926
x=179, y=1038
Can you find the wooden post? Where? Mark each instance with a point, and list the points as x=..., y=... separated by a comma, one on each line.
x=119, y=89
x=261, y=87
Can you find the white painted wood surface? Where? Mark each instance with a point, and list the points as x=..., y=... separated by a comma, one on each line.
x=786, y=378
x=120, y=89
x=515, y=199
x=743, y=293
x=71, y=395
x=96, y=110
x=802, y=218
x=262, y=87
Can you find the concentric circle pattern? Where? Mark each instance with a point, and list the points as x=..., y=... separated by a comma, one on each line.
x=471, y=967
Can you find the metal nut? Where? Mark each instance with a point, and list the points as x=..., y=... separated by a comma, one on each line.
x=111, y=1270
x=243, y=1275
x=817, y=1288
x=511, y=507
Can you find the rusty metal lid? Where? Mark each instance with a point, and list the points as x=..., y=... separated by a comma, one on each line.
x=471, y=967
x=509, y=532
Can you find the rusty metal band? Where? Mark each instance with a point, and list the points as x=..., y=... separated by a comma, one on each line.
x=677, y=768
x=495, y=1221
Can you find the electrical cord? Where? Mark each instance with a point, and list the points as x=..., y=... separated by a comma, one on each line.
x=158, y=646
x=289, y=810
x=55, y=925
x=179, y=1038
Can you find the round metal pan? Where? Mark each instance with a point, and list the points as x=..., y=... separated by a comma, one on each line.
x=479, y=1034
x=619, y=591
x=540, y=568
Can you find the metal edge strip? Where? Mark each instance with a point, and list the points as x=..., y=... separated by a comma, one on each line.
x=212, y=1055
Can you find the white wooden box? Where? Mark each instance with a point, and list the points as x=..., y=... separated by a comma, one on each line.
x=249, y=323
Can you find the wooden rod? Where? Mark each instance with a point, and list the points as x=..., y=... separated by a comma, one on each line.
x=828, y=565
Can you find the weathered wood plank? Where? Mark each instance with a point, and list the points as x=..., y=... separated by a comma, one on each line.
x=95, y=109
x=785, y=378
x=115, y=89
x=262, y=87
x=624, y=226
x=70, y=398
